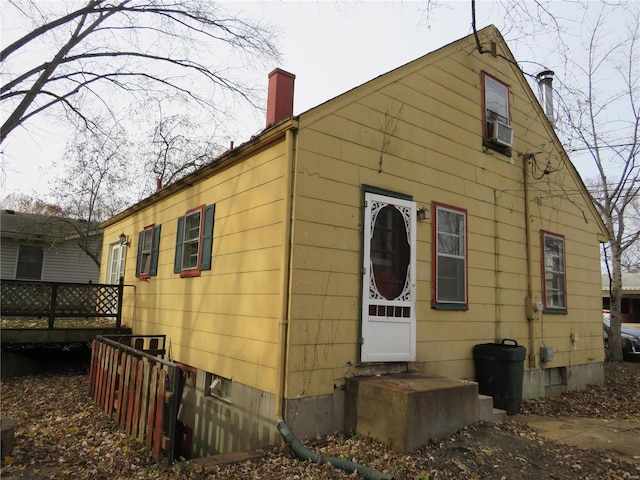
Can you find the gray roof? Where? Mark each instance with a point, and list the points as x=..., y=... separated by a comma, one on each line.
x=32, y=226
x=630, y=283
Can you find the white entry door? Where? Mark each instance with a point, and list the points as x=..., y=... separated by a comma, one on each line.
x=389, y=283
x=117, y=255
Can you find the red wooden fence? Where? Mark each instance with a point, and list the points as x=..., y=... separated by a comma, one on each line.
x=139, y=390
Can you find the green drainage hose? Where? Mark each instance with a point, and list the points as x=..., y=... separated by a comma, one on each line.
x=304, y=453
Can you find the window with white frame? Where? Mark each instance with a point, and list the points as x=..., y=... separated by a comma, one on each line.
x=497, y=132
x=191, y=242
x=496, y=100
x=148, y=247
x=117, y=255
x=145, y=254
x=555, y=281
x=194, y=241
x=450, y=262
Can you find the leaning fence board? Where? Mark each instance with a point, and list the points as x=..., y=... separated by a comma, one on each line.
x=107, y=378
x=139, y=391
x=136, y=402
x=125, y=394
x=103, y=354
x=113, y=375
x=144, y=401
x=120, y=402
x=132, y=392
x=107, y=368
x=93, y=370
x=92, y=367
x=157, y=429
x=152, y=404
x=98, y=362
x=105, y=374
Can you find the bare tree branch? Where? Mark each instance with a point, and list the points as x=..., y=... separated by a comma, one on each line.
x=167, y=38
x=598, y=96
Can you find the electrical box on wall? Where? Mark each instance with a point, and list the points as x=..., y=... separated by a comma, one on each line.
x=546, y=354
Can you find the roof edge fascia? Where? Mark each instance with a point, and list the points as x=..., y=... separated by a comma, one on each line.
x=259, y=142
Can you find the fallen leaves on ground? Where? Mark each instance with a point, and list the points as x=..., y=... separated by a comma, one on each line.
x=616, y=399
x=71, y=322
x=61, y=434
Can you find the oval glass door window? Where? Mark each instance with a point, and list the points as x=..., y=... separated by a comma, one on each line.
x=390, y=254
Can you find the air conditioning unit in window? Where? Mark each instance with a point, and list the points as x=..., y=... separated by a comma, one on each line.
x=501, y=133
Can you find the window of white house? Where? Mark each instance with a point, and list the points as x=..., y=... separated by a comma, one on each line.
x=497, y=132
x=194, y=241
x=450, y=262
x=117, y=256
x=148, y=247
x=30, y=260
x=555, y=280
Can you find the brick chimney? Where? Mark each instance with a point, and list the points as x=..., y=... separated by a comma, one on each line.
x=280, y=96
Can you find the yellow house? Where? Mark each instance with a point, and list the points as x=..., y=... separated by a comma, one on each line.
x=389, y=229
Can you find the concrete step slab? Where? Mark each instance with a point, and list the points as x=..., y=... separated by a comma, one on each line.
x=499, y=415
x=485, y=408
x=408, y=410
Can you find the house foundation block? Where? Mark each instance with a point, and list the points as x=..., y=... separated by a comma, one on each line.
x=408, y=410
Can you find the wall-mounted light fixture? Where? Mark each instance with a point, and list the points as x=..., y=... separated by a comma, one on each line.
x=124, y=240
x=423, y=213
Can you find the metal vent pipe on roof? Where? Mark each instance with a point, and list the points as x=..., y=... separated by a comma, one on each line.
x=545, y=83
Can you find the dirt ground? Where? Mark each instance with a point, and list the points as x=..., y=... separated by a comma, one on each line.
x=61, y=434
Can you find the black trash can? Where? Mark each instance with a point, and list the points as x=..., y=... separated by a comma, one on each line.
x=499, y=372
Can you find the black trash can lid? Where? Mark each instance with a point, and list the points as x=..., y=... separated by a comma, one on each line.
x=500, y=351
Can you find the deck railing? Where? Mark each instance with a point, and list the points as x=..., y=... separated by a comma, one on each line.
x=22, y=298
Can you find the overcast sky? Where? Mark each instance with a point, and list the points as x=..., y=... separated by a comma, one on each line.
x=331, y=47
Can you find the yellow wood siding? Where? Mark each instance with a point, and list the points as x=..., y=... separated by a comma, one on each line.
x=418, y=131
x=224, y=321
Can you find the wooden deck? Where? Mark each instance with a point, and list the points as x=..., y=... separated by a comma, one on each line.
x=18, y=336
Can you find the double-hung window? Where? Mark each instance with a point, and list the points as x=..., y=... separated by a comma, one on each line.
x=148, y=247
x=496, y=130
x=555, y=279
x=191, y=240
x=450, y=258
x=30, y=261
x=194, y=241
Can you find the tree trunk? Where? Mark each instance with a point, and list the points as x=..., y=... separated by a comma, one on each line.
x=615, y=296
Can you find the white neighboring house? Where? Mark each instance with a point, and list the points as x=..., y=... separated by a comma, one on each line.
x=40, y=248
x=630, y=297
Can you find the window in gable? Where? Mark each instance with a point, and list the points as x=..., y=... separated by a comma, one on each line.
x=148, y=247
x=194, y=241
x=496, y=130
x=30, y=261
x=450, y=258
x=555, y=280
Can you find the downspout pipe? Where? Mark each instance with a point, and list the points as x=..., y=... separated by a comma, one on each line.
x=283, y=323
x=287, y=435
x=305, y=454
